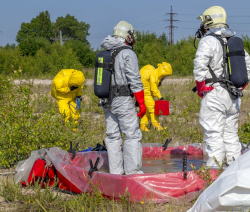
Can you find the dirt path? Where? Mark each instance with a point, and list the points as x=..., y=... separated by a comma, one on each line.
x=46, y=81
x=91, y=81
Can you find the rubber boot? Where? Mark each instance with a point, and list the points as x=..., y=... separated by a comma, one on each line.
x=155, y=122
x=144, y=122
x=144, y=128
x=157, y=126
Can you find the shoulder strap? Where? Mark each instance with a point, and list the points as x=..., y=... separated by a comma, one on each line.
x=116, y=51
x=113, y=89
x=224, y=48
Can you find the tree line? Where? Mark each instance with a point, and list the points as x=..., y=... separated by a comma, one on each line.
x=40, y=53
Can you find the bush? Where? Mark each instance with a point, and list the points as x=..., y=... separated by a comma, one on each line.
x=30, y=46
x=47, y=61
x=10, y=60
x=30, y=120
x=83, y=51
x=152, y=49
x=21, y=131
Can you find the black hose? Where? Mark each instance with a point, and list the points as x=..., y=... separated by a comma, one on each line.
x=194, y=42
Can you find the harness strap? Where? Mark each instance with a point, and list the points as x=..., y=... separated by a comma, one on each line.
x=236, y=53
x=121, y=90
x=225, y=81
x=224, y=48
x=116, y=51
x=108, y=66
x=117, y=90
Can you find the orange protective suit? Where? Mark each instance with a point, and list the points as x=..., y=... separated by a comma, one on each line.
x=60, y=90
x=151, y=79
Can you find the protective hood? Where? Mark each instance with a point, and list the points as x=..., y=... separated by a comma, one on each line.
x=76, y=79
x=164, y=69
x=224, y=32
x=110, y=43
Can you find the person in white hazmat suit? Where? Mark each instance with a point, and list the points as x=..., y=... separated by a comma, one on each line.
x=121, y=116
x=219, y=113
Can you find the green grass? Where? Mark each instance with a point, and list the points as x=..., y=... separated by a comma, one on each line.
x=30, y=118
x=34, y=198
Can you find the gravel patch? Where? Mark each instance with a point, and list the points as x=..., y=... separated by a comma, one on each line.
x=91, y=81
x=45, y=82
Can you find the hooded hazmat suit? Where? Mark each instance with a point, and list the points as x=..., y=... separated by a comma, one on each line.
x=151, y=79
x=65, y=97
x=219, y=114
x=121, y=116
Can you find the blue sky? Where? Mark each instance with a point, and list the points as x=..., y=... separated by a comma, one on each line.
x=103, y=15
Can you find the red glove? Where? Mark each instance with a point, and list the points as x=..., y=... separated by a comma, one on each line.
x=201, y=88
x=139, y=96
x=244, y=86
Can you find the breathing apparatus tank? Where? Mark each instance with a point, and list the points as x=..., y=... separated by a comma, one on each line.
x=236, y=62
x=103, y=69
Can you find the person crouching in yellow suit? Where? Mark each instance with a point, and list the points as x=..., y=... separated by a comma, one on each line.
x=66, y=87
x=151, y=79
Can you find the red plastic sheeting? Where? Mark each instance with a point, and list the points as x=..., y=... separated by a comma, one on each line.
x=145, y=187
x=73, y=174
x=38, y=173
x=151, y=151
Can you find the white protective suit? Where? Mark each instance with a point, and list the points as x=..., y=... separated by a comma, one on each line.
x=231, y=190
x=122, y=115
x=219, y=114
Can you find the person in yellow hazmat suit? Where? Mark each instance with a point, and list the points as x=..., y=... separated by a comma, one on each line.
x=67, y=89
x=151, y=79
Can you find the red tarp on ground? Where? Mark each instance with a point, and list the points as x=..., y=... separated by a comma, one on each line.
x=73, y=174
x=154, y=151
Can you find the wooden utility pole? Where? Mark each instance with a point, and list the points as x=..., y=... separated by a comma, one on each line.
x=61, y=38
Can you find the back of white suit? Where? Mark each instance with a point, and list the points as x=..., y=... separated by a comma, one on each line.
x=219, y=113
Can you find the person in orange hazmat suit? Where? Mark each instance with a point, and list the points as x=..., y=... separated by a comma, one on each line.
x=151, y=79
x=67, y=90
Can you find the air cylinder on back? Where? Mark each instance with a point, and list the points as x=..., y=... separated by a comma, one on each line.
x=236, y=62
x=102, y=74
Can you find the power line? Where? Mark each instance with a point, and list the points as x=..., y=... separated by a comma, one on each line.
x=171, y=27
x=154, y=11
x=150, y=24
x=233, y=16
x=131, y=18
x=195, y=22
x=227, y=8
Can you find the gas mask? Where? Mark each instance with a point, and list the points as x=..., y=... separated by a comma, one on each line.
x=202, y=30
x=162, y=79
x=133, y=37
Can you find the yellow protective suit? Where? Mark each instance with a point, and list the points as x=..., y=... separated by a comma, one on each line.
x=60, y=90
x=151, y=79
